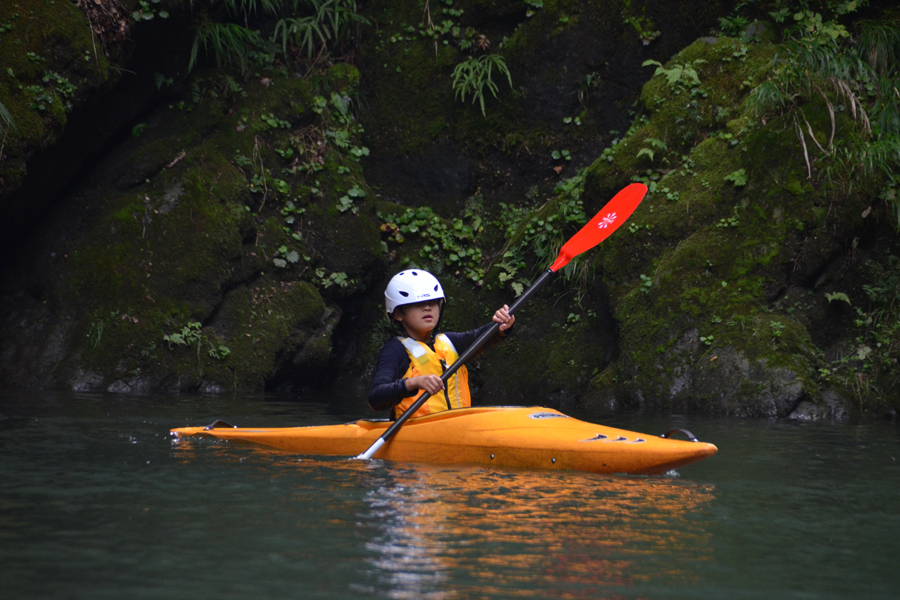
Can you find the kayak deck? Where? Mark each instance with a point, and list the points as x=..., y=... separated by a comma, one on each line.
x=519, y=437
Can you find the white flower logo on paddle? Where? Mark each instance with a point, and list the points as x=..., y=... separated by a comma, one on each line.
x=607, y=220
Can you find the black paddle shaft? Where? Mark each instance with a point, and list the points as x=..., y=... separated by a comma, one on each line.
x=470, y=351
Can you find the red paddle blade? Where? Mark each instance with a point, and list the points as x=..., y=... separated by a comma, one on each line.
x=602, y=225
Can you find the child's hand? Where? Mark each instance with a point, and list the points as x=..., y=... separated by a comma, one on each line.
x=505, y=319
x=429, y=383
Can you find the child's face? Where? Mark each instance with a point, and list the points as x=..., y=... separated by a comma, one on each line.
x=419, y=319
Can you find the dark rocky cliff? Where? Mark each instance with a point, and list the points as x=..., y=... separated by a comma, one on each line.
x=204, y=231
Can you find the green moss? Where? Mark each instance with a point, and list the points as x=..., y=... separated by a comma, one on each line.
x=343, y=76
x=563, y=368
x=46, y=40
x=411, y=80
x=692, y=277
x=411, y=84
x=794, y=187
x=263, y=324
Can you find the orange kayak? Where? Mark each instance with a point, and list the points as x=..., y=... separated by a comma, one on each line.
x=517, y=437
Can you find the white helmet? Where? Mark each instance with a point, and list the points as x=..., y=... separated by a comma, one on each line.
x=411, y=286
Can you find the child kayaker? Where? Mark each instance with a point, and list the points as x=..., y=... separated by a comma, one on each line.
x=407, y=365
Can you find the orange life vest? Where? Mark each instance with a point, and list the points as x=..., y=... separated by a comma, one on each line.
x=425, y=361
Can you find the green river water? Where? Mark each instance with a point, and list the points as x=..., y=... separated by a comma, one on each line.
x=96, y=501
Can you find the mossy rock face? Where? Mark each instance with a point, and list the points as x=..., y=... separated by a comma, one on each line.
x=707, y=276
x=269, y=326
x=205, y=253
x=230, y=236
x=575, y=71
x=549, y=359
x=51, y=67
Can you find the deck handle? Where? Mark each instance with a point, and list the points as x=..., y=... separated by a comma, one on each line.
x=689, y=435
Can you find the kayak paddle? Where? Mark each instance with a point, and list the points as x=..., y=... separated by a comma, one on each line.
x=597, y=229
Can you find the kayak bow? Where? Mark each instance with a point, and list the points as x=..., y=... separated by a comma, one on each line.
x=508, y=437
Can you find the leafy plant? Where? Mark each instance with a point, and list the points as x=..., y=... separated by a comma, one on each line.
x=219, y=352
x=472, y=76
x=544, y=234
x=95, y=333
x=641, y=23
x=57, y=88
x=230, y=44
x=7, y=122
x=856, y=74
x=738, y=178
x=677, y=75
x=286, y=256
x=291, y=211
x=188, y=336
x=339, y=279
x=41, y=99
x=274, y=122
x=346, y=202
x=191, y=335
x=329, y=23
x=870, y=366
x=541, y=232
x=311, y=27
x=732, y=221
x=572, y=321
x=654, y=144
x=146, y=12
x=447, y=244
x=8, y=25
x=162, y=81
x=777, y=328
x=841, y=296
x=358, y=152
x=534, y=4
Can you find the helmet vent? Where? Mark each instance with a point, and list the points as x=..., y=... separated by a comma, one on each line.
x=404, y=294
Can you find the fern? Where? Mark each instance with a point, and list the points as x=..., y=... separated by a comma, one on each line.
x=859, y=73
x=231, y=44
x=252, y=7
x=767, y=97
x=340, y=15
x=330, y=24
x=313, y=26
x=677, y=75
x=305, y=32
x=6, y=120
x=473, y=75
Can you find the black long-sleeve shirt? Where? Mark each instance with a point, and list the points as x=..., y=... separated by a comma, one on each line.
x=388, y=385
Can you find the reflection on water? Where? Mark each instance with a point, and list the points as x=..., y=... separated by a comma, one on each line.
x=97, y=502
x=507, y=529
